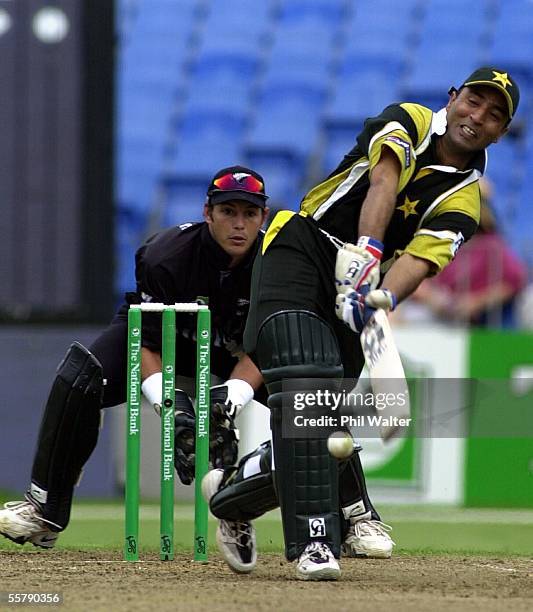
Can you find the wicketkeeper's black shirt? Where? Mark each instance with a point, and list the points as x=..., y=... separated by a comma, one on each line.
x=181, y=264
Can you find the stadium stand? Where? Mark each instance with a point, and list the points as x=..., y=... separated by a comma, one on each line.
x=150, y=67
x=512, y=43
x=210, y=124
x=283, y=138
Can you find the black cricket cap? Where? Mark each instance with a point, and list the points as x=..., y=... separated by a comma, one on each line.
x=237, y=183
x=500, y=80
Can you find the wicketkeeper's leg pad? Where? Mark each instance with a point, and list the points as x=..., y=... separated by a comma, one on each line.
x=68, y=433
x=300, y=348
x=247, y=491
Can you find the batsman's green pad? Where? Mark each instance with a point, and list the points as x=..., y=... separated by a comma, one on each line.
x=247, y=490
x=299, y=346
x=68, y=433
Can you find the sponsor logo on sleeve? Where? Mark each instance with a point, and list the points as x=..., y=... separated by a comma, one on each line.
x=405, y=146
x=456, y=244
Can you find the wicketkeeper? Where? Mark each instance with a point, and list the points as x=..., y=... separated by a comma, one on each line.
x=212, y=260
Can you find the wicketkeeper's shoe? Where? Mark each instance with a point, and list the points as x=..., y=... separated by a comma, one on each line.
x=236, y=542
x=235, y=539
x=368, y=538
x=21, y=522
x=317, y=563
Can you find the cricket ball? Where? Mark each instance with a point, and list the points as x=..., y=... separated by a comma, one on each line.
x=340, y=444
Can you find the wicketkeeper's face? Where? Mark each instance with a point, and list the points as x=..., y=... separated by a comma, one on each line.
x=235, y=225
x=477, y=117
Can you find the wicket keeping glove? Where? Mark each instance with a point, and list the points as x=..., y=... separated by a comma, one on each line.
x=227, y=401
x=358, y=265
x=356, y=308
x=184, y=437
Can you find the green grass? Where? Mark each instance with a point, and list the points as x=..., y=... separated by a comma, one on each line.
x=416, y=530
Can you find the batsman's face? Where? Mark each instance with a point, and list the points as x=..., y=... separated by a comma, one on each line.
x=477, y=117
x=235, y=225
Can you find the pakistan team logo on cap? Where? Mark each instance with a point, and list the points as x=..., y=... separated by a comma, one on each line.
x=502, y=77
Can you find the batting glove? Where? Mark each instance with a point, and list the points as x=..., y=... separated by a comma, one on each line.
x=358, y=265
x=227, y=401
x=356, y=308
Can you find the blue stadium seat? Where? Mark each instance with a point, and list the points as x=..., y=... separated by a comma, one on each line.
x=360, y=92
x=312, y=11
x=301, y=59
x=248, y=14
x=358, y=99
x=184, y=198
x=222, y=81
x=432, y=76
x=247, y=43
x=514, y=54
x=507, y=169
x=140, y=153
x=237, y=26
x=437, y=62
x=286, y=119
x=390, y=16
x=142, y=112
x=207, y=141
x=160, y=17
x=455, y=18
x=512, y=45
x=148, y=84
x=129, y=233
x=520, y=233
x=339, y=141
x=283, y=177
x=501, y=169
x=299, y=68
x=126, y=15
x=305, y=38
x=377, y=52
x=381, y=43
x=516, y=16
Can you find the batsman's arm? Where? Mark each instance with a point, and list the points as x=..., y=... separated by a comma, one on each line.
x=406, y=274
x=380, y=200
x=358, y=265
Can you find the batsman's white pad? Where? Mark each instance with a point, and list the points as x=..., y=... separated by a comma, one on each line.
x=386, y=372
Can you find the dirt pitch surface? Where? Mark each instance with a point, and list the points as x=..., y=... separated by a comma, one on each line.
x=102, y=581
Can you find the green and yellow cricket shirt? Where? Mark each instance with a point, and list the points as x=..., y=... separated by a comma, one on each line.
x=437, y=207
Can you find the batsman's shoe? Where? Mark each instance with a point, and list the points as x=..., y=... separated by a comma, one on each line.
x=317, y=563
x=368, y=538
x=236, y=542
x=21, y=523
